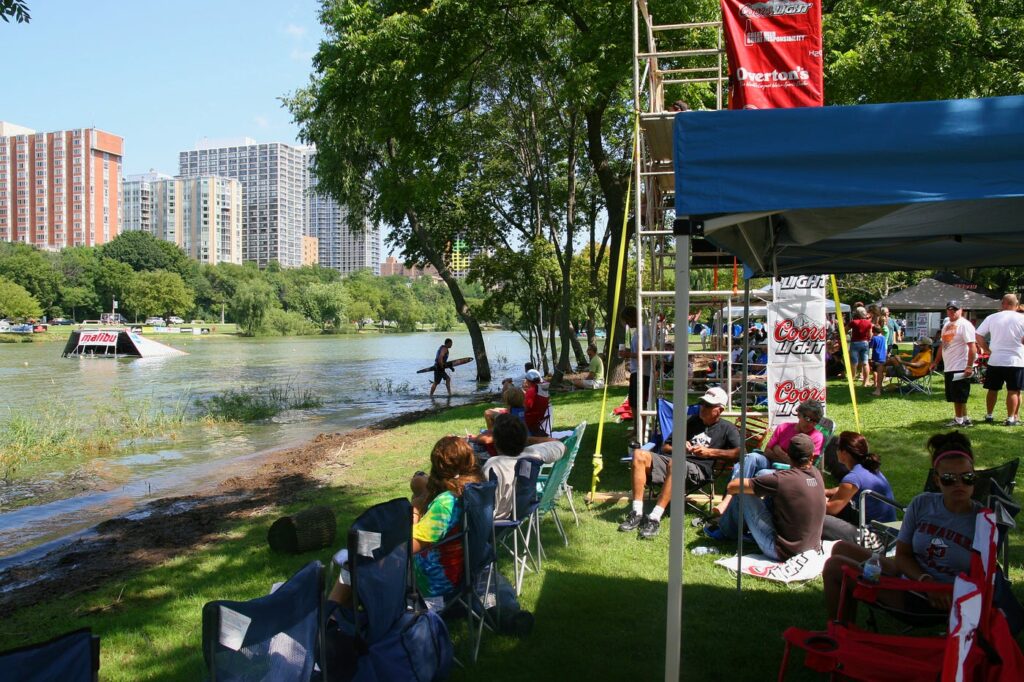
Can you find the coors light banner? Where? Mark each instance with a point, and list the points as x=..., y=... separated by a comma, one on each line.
x=796, y=345
x=774, y=49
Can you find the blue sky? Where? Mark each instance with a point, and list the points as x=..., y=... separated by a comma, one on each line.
x=162, y=75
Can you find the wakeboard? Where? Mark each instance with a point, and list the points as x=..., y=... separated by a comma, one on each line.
x=451, y=364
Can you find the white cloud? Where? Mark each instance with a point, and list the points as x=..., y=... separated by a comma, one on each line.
x=261, y=122
x=300, y=55
x=295, y=31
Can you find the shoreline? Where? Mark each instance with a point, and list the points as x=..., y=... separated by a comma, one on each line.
x=163, y=528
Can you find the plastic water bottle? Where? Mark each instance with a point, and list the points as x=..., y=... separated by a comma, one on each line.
x=872, y=569
x=701, y=550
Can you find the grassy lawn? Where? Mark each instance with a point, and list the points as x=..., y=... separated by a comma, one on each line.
x=599, y=604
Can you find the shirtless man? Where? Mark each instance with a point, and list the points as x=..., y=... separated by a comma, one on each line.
x=440, y=365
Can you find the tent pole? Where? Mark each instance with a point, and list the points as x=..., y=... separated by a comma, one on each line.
x=743, y=427
x=676, y=551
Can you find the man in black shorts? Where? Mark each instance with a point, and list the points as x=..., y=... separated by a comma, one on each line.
x=440, y=365
x=1005, y=346
x=708, y=439
x=957, y=353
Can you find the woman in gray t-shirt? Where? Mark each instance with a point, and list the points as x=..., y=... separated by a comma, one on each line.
x=938, y=528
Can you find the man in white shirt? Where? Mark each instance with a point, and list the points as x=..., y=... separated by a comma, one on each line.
x=510, y=440
x=1005, y=346
x=957, y=351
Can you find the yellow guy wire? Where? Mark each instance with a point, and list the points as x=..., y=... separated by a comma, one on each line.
x=846, y=351
x=598, y=459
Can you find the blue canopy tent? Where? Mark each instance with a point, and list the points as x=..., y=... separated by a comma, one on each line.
x=843, y=189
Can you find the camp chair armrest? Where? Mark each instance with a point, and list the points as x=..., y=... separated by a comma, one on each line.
x=862, y=507
x=868, y=591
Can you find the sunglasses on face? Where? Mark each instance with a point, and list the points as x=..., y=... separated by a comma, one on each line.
x=967, y=478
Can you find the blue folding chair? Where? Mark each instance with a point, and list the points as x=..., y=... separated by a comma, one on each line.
x=664, y=431
x=71, y=657
x=395, y=638
x=524, y=504
x=476, y=590
x=273, y=638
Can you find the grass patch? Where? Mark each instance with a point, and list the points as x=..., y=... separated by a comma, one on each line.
x=391, y=387
x=59, y=437
x=257, y=402
x=600, y=602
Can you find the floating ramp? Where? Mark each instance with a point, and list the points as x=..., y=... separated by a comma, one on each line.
x=115, y=343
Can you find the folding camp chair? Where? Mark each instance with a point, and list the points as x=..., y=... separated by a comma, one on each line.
x=908, y=384
x=276, y=637
x=554, y=487
x=978, y=644
x=475, y=593
x=524, y=504
x=71, y=657
x=393, y=636
x=572, y=448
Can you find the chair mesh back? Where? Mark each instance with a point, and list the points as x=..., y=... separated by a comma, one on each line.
x=527, y=473
x=478, y=519
x=68, y=658
x=378, y=550
x=269, y=638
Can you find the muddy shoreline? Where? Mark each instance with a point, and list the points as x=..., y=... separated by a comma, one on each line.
x=165, y=527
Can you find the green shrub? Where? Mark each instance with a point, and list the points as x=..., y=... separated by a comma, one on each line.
x=287, y=323
x=258, y=402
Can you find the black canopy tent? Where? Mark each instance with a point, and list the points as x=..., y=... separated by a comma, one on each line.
x=844, y=189
x=930, y=294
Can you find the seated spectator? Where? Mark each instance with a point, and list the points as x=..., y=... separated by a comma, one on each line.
x=436, y=515
x=536, y=401
x=834, y=367
x=865, y=474
x=595, y=370
x=916, y=367
x=935, y=538
x=514, y=399
x=708, y=439
x=510, y=441
x=879, y=352
x=776, y=452
x=793, y=524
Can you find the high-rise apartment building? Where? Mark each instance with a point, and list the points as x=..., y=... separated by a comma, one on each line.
x=202, y=215
x=341, y=248
x=59, y=189
x=273, y=178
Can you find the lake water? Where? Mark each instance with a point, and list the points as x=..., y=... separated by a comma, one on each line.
x=360, y=378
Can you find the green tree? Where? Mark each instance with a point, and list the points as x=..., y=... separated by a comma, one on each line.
x=32, y=269
x=144, y=252
x=250, y=304
x=77, y=298
x=112, y=282
x=325, y=304
x=158, y=293
x=14, y=9
x=16, y=301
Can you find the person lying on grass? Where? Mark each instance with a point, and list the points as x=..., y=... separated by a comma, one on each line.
x=865, y=473
x=436, y=515
x=934, y=541
x=808, y=413
x=793, y=524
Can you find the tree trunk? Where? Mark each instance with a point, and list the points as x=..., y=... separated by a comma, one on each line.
x=483, y=366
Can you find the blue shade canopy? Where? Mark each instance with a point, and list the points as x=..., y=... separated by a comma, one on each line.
x=857, y=189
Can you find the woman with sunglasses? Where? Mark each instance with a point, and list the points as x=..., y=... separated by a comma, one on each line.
x=864, y=473
x=935, y=539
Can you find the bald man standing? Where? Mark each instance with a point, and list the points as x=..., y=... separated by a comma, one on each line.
x=1005, y=345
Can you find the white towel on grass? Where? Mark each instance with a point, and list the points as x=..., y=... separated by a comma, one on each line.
x=804, y=566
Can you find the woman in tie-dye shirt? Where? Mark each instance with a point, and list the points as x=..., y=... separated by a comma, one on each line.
x=437, y=515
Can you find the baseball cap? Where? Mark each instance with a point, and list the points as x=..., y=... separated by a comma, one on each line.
x=532, y=375
x=953, y=304
x=924, y=340
x=801, y=448
x=715, y=397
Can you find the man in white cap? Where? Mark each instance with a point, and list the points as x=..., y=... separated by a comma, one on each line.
x=957, y=353
x=708, y=439
x=536, y=402
x=1005, y=346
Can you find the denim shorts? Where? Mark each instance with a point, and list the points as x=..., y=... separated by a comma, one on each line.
x=859, y=353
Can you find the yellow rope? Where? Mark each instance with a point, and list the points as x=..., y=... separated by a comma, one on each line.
x=598, y=458
x=846, y=351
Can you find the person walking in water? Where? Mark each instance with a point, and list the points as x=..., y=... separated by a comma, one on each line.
x=440, y=365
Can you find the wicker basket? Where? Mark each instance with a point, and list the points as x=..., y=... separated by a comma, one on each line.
x=309, y=529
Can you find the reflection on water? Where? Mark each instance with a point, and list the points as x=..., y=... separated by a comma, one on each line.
x=351, y=374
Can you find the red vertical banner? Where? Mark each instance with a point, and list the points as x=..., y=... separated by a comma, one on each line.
x=775, y=53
